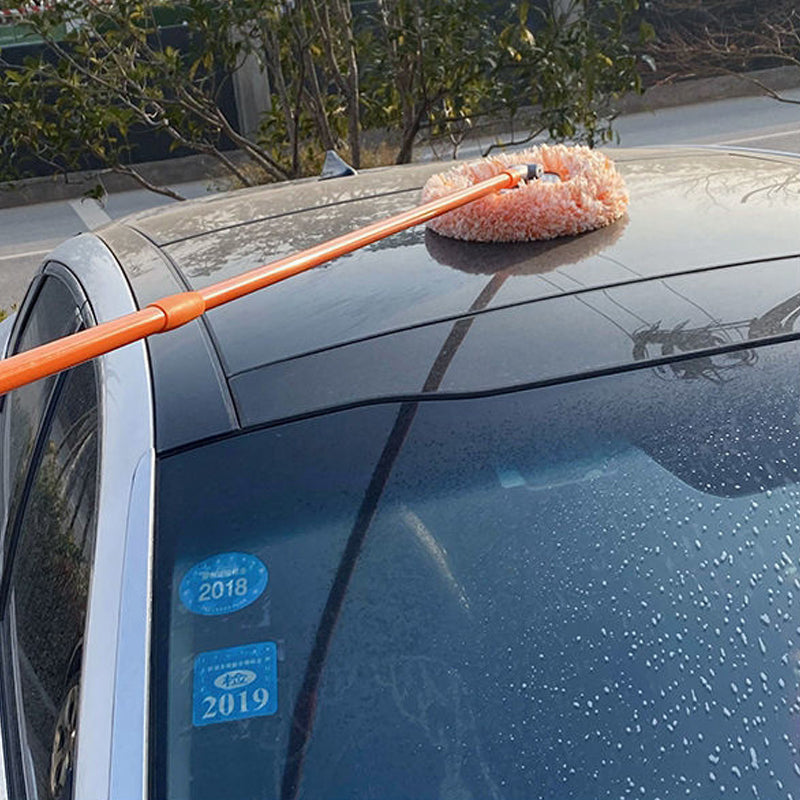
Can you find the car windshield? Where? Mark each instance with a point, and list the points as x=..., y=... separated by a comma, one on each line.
x=577, y=591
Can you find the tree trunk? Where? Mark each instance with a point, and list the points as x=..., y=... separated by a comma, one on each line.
x=351, y=84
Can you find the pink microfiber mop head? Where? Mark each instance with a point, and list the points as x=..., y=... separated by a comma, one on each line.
x=591, y=194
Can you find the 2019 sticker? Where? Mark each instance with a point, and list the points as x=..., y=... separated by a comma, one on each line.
x=223, y=584
x=235, y=683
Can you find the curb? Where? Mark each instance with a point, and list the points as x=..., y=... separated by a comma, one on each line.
x=54, y=188
x=201, y=167
x=703, y=90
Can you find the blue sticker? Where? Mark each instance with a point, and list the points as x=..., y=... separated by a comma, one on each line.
x=235, y=683
x=223, y=584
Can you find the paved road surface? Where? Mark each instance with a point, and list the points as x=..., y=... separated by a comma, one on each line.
x=27, y=233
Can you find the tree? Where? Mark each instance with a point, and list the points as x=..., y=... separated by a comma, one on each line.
x=106, y=68
x=572, y=61
x=440, y=66
x=712, y=37
x=111, y=67
x=431, y=63
x=310, y=50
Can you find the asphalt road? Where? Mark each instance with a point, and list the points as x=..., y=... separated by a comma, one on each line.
x=28, y=233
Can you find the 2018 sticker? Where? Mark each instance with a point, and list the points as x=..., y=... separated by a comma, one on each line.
x=235, y=683
x=223, y=584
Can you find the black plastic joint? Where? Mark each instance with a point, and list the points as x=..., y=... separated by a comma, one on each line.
x=535, y=171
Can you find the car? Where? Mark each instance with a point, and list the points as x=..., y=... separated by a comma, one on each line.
x=438, y=519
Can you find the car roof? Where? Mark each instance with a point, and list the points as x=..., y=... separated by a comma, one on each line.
x=371, y=326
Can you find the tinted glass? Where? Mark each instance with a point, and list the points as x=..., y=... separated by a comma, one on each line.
x=582, y=591
x=53, y=314
x=50, y=582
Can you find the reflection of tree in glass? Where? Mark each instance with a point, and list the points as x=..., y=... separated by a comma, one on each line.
x=716, y=182
x=656, y=342
x=52, y=567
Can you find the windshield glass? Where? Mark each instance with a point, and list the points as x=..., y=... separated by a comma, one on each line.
x=581, y=591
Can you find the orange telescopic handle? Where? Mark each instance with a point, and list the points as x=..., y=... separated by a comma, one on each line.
x=176, y=310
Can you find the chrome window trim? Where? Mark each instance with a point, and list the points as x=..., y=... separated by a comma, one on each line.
x=21, y=315
x=116, y=656
x=6, y=327
x=28, y=779
x=67, y=277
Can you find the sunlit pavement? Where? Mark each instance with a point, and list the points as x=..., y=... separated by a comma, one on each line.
x=27, y=233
